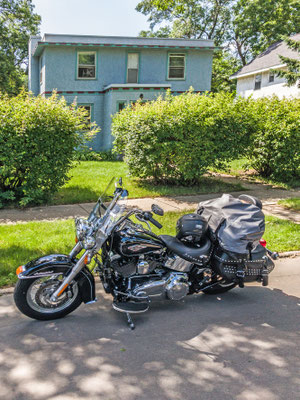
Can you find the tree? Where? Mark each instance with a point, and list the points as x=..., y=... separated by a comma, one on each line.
x=17, y=23
x=224, y=65
x=243, y=27
x=258, y=23
x=208, y=19
x=292, y=73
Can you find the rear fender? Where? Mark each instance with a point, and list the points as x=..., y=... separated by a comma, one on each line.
x=61, y=263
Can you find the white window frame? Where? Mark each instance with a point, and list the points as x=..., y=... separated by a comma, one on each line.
x=184, y=66
x=86, y=65
x=41, y=70
x=138, y=67
x=255, y=81
x=271, y=73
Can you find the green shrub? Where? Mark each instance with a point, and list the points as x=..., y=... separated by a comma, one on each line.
x=177, y=139
x=274, y=151
x=37, y=141
x=85, y=153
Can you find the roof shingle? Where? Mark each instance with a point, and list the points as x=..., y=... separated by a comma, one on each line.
x=269, y=58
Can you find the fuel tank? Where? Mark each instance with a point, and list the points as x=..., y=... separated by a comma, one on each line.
x=134, y=243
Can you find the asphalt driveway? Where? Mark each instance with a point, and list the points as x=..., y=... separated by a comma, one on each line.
x=242, y=345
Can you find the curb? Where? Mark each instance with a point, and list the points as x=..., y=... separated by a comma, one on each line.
x=286, y=254
x=290, y=254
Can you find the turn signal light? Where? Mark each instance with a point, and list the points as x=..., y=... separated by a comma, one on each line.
x=86, y=259
x=263, y=242
x=76, y=239
x=20, y=269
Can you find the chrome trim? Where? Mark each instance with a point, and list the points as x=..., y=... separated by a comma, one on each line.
x=128, y=312
x=76, y=250
x=37, y=275
x=75, y=271
x=92, y=301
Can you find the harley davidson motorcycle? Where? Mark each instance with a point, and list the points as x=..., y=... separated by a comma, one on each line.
x=215, y=249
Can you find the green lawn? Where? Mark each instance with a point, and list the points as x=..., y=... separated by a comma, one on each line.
x=237, y=168
x=23, y=242
x=89, y=179
x=293, y=203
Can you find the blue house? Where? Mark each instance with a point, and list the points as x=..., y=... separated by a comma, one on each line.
x=104, y=74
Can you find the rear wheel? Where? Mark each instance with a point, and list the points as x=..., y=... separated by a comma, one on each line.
x=32, y=297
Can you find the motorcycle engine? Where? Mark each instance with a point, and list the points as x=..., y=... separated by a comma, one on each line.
x=126, y=268
x=173, y=286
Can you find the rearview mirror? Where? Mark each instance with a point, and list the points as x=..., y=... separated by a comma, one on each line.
x=157, y=210
x=118, y=182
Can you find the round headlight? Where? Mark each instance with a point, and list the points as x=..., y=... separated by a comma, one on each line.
x=89, y=242
x=82, y=228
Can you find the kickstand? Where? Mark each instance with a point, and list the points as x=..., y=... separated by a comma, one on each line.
x=130, y=322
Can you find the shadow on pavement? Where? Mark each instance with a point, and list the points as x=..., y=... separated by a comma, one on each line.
x=242, y=345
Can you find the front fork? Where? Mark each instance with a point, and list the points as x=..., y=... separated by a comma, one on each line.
x=75, y=270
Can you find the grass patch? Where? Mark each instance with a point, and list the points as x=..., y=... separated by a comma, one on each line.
x=90, y=178
x=281, y=234
x=235, y=167
x=293, y=203
x=238, y=168
x=23, y=242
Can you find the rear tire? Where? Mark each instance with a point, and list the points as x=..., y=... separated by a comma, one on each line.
x=34, y=307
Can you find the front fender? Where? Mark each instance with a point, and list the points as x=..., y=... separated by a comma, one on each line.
x=54, y=263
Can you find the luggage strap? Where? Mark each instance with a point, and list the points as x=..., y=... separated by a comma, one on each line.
x=240, y=274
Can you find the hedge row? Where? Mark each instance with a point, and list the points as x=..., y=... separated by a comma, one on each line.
x=38, y=137
x=275, y=146
x=177, y=139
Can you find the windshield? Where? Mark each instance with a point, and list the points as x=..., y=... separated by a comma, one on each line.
x=106, y=195
x=115, y=209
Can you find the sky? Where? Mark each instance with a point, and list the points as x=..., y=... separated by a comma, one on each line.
x=91, y=17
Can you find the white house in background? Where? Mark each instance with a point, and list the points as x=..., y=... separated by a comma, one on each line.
x=258, y=79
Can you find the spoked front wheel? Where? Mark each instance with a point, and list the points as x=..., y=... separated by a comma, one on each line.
x=32, y=297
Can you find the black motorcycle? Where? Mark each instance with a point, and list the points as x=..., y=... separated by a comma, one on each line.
x=215, y=249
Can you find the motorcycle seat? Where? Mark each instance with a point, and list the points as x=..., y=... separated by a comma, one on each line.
x=197, y=255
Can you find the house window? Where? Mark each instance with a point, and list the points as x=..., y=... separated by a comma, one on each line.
x=257, y=84
x=88, y=108
x=132, y=67
x=176, y=68
x=271, y=76
x=41, y=70
x=86, y=65
x=121, y=105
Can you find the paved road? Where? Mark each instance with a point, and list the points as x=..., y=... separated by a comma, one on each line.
x=243, y=345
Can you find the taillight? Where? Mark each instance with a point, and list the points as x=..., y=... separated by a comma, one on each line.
x=263, y=242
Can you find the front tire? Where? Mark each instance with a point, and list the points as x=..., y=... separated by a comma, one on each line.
x=32, y=297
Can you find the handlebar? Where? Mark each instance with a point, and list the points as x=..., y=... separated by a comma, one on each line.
x=148, y=217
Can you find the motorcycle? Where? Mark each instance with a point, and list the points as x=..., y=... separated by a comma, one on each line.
x=137, y=266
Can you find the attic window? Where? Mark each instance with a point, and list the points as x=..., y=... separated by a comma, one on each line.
x=86, y=65
x=257, y=84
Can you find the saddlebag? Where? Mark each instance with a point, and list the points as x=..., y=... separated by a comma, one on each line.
x=240, y=268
